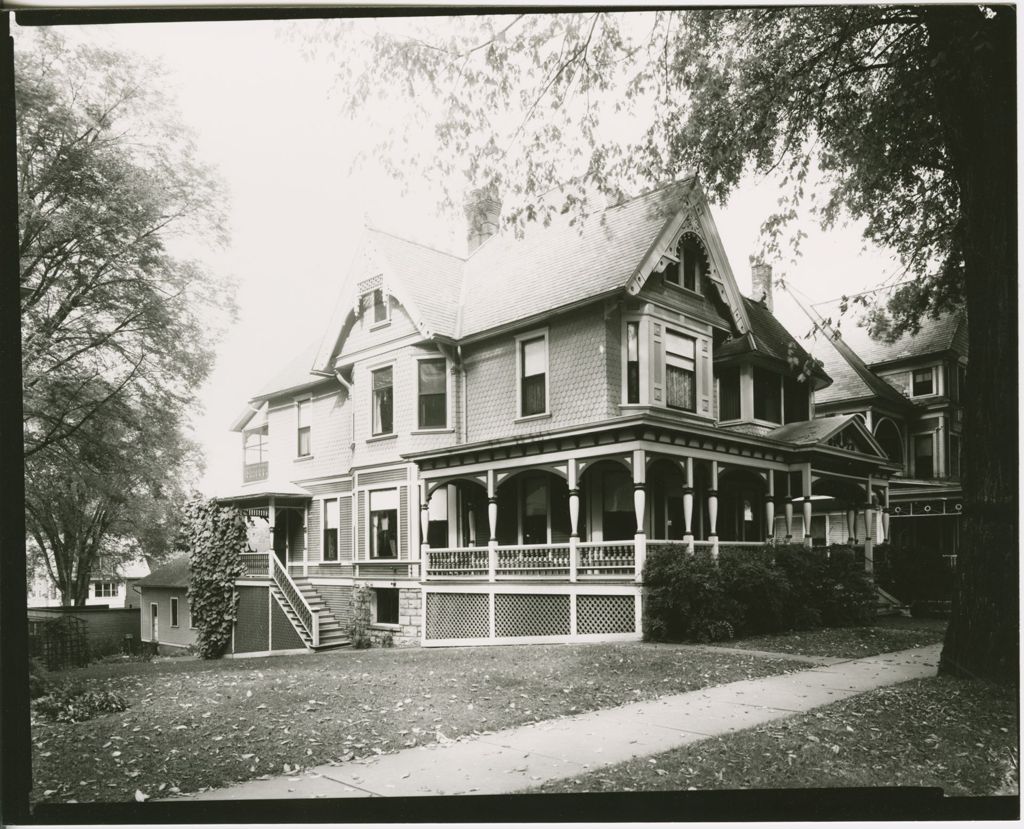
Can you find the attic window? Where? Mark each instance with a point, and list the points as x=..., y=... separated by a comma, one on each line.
x=380, y=306
x=686, y=272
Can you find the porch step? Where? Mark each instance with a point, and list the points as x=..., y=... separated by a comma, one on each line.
x=332, y=633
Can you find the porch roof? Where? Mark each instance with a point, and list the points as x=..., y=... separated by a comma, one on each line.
x=262, y=494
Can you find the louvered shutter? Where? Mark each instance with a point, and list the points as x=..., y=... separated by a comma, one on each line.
x=657, y=365
x=403, y=522
x=706, y=378
x=344, y=528
x=360, y=535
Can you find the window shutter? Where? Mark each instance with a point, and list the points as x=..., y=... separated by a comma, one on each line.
x=657, y=365
x=360, y=535
x=344, y=528
x=313, y=534
x=704, y=381
x=403, y=522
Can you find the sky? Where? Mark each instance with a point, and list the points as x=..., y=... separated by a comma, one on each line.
x=270, y=122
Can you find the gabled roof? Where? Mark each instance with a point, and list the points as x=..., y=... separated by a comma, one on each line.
x=771, y=338
x=946, y=333
x=852, y=378
x=172, y=574
x=294, y=375
x=509, y=279
x=821, y=430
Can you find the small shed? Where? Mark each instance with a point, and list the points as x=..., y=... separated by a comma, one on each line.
x=165, y=616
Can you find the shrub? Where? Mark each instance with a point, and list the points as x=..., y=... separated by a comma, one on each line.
x=913, y=574
x=761, y=592
x=806, y=571
x=685, y=596
x=70, y=705
x=849, y=597
x=39, y=681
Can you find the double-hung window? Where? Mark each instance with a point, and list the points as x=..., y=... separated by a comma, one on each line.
x=680, y=371
x=433, y=398
x=923, y=383
x=924, y=452
x=105, y=589
x=632, y=362
x=380, y=306
x=533, y=368
x=302, y=444
x=384, y=523
x=330, y=547
x=383, y=401
x=256, y=453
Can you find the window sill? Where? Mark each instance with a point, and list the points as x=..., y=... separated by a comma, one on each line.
x=379, y=438
x=389, y=626
x=302, y=458
x=528, y=418
x=378, y=325
x=438, y=431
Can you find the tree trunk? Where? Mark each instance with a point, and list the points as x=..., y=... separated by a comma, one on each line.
x=974, y=60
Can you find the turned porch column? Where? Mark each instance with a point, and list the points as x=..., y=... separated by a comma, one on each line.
x=492, y=522
x=851, y=526
x=574, y=517
x=869, y=529
x=885, y=514
x=471, y=520
x=769, y=508
x=788, y=510
x=688, y=506
x=807, y=480
x=713, y=510
x=424, y=520
x=639, y=508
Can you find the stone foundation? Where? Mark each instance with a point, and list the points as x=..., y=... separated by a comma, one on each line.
x=407, y=632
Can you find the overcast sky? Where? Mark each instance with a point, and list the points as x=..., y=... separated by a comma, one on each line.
x=265, y=117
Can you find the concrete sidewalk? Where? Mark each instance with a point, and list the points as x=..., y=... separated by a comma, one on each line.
x=518, y=758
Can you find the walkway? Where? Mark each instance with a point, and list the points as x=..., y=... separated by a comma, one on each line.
x=518, y=758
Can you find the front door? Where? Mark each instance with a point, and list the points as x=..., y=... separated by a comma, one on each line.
x=280, y=540
x=154, y=623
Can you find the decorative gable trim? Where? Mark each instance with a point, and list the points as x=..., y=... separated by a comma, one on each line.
x=693, y=217
x=845, y=437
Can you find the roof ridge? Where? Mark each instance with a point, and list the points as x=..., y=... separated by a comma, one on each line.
x=414, y=242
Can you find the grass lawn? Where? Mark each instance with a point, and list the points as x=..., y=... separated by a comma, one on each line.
x=893, y=633
x=956, y=734
x=194, y=724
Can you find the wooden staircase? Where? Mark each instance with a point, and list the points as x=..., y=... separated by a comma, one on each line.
x=332, y=633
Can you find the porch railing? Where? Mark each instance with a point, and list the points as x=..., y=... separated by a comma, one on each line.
x=309, y=620
x=607, y=558
x=457, y=561
x=533, y=560
x=256, y=565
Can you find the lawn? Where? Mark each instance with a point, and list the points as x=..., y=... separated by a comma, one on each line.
x=194, y=724
x=888, y=634
x=955, y=734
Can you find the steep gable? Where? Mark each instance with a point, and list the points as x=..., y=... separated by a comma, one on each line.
x=846, y=432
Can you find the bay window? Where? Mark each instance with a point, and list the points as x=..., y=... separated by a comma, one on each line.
x=767, y=396
x=680, y=371
x=329, y=551
x=384, y=524
x=632, y=362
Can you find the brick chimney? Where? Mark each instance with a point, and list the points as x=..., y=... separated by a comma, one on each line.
x=483, y=212
x=761, y=283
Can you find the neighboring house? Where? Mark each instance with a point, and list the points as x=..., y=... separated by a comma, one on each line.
x=910, y=395
x=484, y=448
x=111, y=584
x=164, y=612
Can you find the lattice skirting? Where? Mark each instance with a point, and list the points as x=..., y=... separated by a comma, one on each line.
x=503, y=615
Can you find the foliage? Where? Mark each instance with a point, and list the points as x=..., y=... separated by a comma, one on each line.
x=39, y=680
x=692, y=597
x=215, y=537
x=913, y=573
x=902, y=117
x=117, y=331
x=70, y=705
x=958, y=736
x=180, y=733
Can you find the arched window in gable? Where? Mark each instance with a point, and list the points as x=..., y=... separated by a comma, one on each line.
x=692, y=265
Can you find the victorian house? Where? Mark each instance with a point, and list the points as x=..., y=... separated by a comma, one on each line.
x=909, y=392
x=484, y=448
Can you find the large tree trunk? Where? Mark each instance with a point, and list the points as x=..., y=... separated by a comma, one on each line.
x=974, y=58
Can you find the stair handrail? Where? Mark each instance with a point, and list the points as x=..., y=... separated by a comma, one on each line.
x=300, y=607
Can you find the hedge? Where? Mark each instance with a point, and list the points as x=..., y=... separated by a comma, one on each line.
x=786, y=587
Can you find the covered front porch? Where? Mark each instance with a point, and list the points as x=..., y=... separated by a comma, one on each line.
x=587, y=507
